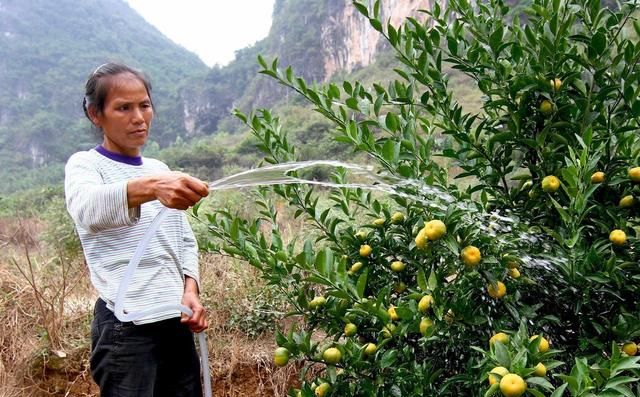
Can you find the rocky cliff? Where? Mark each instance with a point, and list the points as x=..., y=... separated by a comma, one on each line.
x=349, y=41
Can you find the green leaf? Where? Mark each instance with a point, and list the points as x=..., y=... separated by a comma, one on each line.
x=492, y=390
x=599, y=42
x=422, y=280
x=388, y=358
x=559, y=391
x=502, y=355
x=391, y=151
x=362, y=9
x=362, y=283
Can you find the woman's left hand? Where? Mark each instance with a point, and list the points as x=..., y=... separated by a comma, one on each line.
x=198, y=321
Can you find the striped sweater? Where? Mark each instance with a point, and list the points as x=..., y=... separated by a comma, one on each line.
x=96, y=198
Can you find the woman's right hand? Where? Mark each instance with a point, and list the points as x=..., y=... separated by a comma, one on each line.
x=179, y=190
x=173, y=189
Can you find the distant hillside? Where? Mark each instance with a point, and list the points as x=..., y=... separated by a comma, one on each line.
x=47, y=50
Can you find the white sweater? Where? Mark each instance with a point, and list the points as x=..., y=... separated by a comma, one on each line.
x=96, y=197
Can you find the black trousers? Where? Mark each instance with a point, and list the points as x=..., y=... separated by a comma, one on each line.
x=149, y=360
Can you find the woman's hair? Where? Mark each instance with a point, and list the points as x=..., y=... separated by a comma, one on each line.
x=99, y=82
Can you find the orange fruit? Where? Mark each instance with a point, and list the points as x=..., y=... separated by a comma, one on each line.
x=435, y=229
x=546, y=107
x=550, y=183
x=540, y=370
x=543, y=345
x=397, y=217
x=365, y=250
x=370, y=349
x=502, y=371
x=332, y=356
x=397, y=266
x=425, y=303
x=350, y=329
x=499, y=337
x=497, y=290
x=630, y=348
x=422, y=239
x=470, y=255
x=425, y=324
x=597, y=177
x=627, y=201
x=392, y=314
x=618, y=237
x=514, y=273
x=281, y=356
x=512, y=385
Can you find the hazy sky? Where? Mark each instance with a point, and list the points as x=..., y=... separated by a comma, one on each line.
x=213, y=29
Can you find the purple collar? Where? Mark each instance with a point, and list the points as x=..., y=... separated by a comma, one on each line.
x=121, y=158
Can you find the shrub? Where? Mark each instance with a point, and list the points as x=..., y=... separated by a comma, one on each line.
x=560, y=85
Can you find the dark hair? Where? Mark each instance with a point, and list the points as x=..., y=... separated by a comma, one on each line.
x=98, y=83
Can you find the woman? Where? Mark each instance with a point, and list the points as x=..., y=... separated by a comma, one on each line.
x=113, y=194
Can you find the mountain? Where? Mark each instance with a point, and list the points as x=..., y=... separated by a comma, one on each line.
x=47, y=50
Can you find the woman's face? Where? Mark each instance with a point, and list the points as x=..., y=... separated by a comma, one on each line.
x=126, y=117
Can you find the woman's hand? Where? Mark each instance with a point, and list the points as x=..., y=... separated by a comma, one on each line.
x=198, y=321
x=173, y=189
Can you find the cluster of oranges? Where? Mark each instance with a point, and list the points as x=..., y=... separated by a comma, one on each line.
x=512, y=384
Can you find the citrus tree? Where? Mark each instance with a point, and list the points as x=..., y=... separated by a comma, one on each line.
x=523, y=281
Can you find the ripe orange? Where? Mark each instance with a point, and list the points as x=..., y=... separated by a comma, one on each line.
x=435, y=229
x=421, y=239
x=630, y=348
x=316, y=302
x=355, y=267
x=618, y=237
x=425, y=324
x=392, y=313
x=397, y=217
x=556, y=84
x=397, y=266
x=332, y=356
x=543, y=345
x=627, y=201
x=281, y=356
x=550, y=183
x=634, y=174
x=387, y=330
x=350, y=329
x=502, y=371
x=497, y=290
x=597, y=177
x=425, y=303
x=512, y=385
x=546, y=107
x=514, y=273
x=470, y=255
x=361, y=235
x=370, y=349
x=365, y=250
x=540, y=370
x=322, y=389
x=499, y=337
